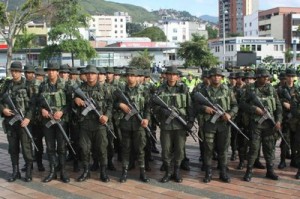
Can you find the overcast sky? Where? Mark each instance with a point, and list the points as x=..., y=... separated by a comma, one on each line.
x=202, y=7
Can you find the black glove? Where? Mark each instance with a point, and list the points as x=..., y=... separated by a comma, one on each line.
x=189, y=125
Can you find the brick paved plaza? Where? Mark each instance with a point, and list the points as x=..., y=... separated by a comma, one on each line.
x=192, y=186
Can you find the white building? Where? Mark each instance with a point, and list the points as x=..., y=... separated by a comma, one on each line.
x=263, y=46
x=128, y=17
x=251, y=25
x=108, y=26
x=180, y=31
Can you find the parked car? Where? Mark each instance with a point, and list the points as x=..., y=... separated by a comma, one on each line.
x=2, y=73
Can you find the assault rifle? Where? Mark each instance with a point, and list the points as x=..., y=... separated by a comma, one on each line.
x=174, y=113
x=133, y=110
x=53, y=121
x=91, y=106
x=267, y=115
x=219, y=111
x=18, y=116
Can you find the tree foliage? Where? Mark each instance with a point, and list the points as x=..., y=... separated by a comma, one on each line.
x=212, y=33
x=143, y=60
x=154, y=33
x=197, y=53
x=288, y=55
x=11, y=22
x=64, y=34
x=133, y=28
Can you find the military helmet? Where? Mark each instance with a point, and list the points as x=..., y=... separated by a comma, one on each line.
x=29, y=69
x=172, y=70
x=262, y=72
x=16, y=66
x=216, y=71
x=290, y=72
x=232, y=75
x=91, y=69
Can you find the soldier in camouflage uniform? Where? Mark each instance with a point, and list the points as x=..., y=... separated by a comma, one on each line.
x=16, y=135
x=261, y=133
x=217, y=133
x=295, y=110
x=93, y=133
x=285, y=93
x=203, y=85
x=133, y=132
x=54, y=91
x=173, y=135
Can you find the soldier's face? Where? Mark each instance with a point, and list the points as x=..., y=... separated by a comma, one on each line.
x=216, y=80
x=16, y=75
x=91, y=78
x=64, y=75
x=52, y=74
x=101, y=77
x=110, y=76
x=132, y=79
x=290, y=79
x=172, y=78
x=29, y=76
x=262, y=80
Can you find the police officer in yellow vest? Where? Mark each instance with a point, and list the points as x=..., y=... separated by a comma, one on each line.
x=218, y=133
x=262, y=133
x=54, y=91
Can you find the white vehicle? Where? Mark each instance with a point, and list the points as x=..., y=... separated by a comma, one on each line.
x=2, y=73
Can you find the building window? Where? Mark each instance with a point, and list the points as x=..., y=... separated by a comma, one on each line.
x=281, y=47
x=231, y=47
x=258, y=48
x=253, y=48
x=121, y=20
x=116, y=20
x=174, y=38
x=250, y=24
x=275, y=47
x=174, y=30
x=116, y=31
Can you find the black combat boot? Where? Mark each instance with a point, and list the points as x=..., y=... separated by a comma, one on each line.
x=24, y=168
x=143, y=176
x=258, y=164
x=297, y=176
x=168, y=175
x=52, y=174
x=224, y=175
x=147, y=165
x=176, y=174
x=15, y=174
x=110, y=165
x=85, y=175
x=233, y=156
x=185, y=164
x=76, y=166
x=63, y=175
x=208, y=175
x=270, y=172
x=248, y=174
x=241, y=165
x=28, y=174
x=103, y=175
x=40, y=165
x=282, y=164
x=95, y=166
x=123, y=177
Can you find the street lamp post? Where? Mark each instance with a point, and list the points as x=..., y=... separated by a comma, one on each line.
x=224, y=50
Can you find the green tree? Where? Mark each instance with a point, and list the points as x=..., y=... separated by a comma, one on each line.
x=154, y=33
x=268, y=59
x=12, y=22
x=212, y=33
x=288, y=55
x=64, y=34
x=133, y=28
x=197, y=53
x=143, y=60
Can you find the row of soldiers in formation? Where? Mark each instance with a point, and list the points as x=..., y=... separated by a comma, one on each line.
x=52, y=105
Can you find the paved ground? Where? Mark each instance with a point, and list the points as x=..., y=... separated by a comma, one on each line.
x=192, y=186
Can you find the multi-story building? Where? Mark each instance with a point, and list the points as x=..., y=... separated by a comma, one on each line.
x=180, y=31
x=281, y=23
x=128, y=17
x=233, y=12
x=263, y=46
x=251, y=25
x=102, y=26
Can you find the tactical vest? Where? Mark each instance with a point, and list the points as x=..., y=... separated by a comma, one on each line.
x=137, y=95
x=99, y=94
x=18, y=93
x=57, y=99
x=177, y=99
x=266, y=96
